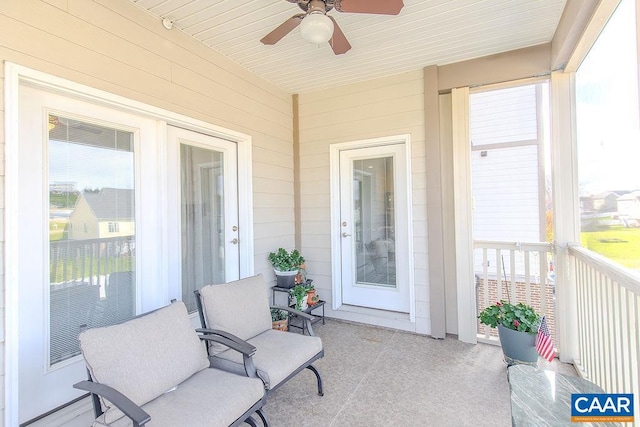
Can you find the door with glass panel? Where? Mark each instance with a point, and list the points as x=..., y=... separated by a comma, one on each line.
x=206, y=207
x=374, y=228
x=80, y=192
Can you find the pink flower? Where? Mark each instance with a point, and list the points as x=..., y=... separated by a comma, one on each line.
x=499, y=304
x=516, y=323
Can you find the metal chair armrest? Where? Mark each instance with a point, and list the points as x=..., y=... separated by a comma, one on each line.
x=122, y=402
x=235, y=343
x=241, y=346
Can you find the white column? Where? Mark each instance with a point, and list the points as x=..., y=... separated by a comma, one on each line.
x=463, y=217
x=566, y=214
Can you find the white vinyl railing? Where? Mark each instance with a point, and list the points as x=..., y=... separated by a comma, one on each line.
x=517, y=272
x=608, y=322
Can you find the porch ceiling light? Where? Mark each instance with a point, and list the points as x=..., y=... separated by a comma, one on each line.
x=316, y=27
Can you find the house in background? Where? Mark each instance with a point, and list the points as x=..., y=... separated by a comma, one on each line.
x=629, y=206
x=606, y=201
x=103, y=213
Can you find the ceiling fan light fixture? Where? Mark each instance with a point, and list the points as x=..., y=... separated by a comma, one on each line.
x=316, y=28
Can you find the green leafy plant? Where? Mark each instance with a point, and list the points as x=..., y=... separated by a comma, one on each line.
x=277, y=314
x=282, y=260
x=518, y=317
x=298, y=292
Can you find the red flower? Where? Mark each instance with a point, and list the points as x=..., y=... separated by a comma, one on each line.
x=499, y=304
x=516, y=323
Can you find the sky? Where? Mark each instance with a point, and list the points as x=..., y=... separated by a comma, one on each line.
x=90, y=166
x=607, y=109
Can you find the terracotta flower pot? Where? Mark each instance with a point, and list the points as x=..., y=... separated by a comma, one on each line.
x=280, y=325
x=312, y=297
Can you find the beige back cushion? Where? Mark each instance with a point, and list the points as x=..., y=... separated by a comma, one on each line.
x=146, y=356
x=240, y=308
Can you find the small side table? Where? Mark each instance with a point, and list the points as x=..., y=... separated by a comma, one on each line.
x=275, y=289
x=308, y=310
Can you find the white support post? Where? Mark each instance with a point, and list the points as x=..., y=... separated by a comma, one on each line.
x=467, y=322
x=566, y=217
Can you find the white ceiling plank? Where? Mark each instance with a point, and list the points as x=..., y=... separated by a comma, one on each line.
x=434, y=32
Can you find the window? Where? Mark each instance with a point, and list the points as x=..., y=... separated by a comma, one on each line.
x=91, y=274
x=609, y=142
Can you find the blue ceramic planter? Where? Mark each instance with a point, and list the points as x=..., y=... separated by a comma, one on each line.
x=518, y=347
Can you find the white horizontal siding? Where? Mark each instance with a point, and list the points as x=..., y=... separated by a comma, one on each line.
x=502, y=116
x=505, y=192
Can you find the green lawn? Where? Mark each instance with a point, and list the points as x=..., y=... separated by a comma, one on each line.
x=58, y=229
x=619, y=244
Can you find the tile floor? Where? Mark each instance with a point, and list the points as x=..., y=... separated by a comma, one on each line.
x=381, y=377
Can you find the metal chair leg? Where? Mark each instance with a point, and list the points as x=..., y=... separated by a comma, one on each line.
x=265, y=423
x=315, y=371
x=251, y=422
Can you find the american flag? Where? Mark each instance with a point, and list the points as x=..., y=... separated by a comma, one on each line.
x=544, y=343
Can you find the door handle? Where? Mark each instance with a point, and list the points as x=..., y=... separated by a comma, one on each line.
x=345, y=234
x=234, y=241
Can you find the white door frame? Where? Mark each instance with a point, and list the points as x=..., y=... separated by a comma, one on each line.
x=17, y=74
x=334, y=171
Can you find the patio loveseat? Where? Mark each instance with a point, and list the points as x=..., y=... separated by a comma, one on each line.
x=155, y=367
x=240, y=311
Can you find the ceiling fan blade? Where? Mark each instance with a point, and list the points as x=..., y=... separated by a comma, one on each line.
x=381, y=7
x=338, y=41
x=282, y=30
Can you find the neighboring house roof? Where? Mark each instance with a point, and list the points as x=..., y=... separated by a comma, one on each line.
x=111, y=203
x=606, y=194
x=634, y=195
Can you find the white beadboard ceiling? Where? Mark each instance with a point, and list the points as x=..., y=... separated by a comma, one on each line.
x=426, y=32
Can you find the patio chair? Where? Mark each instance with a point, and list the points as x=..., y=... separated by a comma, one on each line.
x=154, y=367
x=240, y=311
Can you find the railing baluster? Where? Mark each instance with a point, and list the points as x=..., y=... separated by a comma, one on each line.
x=485, y=283
x=499, y=274
x=543, y=283
x=512, y=272
x=527, y=276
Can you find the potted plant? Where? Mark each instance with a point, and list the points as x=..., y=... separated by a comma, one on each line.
x=279, y=319
x=286, y=265
x=312, y=295
x=517, y=327
x=299, y=294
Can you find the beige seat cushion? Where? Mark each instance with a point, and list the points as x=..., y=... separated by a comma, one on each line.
x=209, y=398
x=144, y=357
x=240, y=307
x=278, y=355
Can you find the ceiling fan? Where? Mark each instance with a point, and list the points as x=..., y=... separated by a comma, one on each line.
x=318, y=27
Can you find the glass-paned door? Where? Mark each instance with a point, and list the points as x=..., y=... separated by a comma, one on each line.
x=78, y=263
x=208, y=214
x=373, y=228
